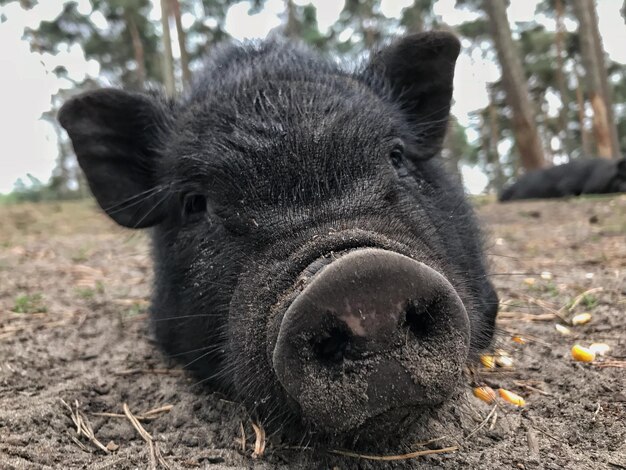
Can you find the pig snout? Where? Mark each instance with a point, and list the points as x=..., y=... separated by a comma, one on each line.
x=372, y=331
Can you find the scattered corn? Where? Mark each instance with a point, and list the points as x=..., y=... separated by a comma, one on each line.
x=519, y=339
x=582, y=354
x=504, y=361
x=488, y=361
x=530, y=281
x=599, y=348
x=486, y=394
x=512, y=398
x=581, y=319
x=565, y=331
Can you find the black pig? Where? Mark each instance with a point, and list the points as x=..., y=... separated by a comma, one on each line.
x=312, y=258
x=590, y=176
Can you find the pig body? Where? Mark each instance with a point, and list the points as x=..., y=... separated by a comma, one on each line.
x=589, y=176
x=312, y=258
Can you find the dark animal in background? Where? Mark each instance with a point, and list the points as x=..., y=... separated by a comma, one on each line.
x=312, y=257
x=593, y=176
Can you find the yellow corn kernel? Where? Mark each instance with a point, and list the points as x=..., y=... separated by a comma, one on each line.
x=512, y=398
x=486, y=394
x=504, y=361
x=565, y=331
x=581, y=319
x=519, y=339
x=488, y=361
x=582, y=354
x=529, y=281
x=600, y=348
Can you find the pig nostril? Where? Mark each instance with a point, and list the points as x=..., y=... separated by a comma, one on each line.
x=332, y=347
x=418, y=319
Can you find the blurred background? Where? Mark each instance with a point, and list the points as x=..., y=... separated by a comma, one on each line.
x=538, y=83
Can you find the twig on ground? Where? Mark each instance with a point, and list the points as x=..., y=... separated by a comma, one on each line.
x=243, y=437
x=145, y=416
x=259, y=443
x=83, y=426
x=531, y=388
x=172, y=372
x=483, y=423
x=618, y=364
x=155, y=454
x=388, y=458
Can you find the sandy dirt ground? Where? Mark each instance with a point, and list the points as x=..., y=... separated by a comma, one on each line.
x=83, y=386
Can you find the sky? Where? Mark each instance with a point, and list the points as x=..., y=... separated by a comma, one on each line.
x=27, y=83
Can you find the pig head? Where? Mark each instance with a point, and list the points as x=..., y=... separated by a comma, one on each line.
x=312, y=258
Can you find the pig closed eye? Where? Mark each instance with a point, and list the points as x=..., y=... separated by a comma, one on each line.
x=194, y=207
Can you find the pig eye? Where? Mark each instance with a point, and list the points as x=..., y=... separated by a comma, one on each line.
x=194, y=205
x=396, y=157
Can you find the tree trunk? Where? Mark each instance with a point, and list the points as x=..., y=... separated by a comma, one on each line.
x=414, y=18
x=168, y=60
x=604, y=79
x=292, y=29
x=580, y=101
x=595, y=88
x=494, y=156
x=62, y=170
x=526, y=135
x=564, y=135
x=182, y=42
x=138, y=50
x=367, y=28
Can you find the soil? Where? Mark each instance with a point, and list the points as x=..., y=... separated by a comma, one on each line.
x=75, y=343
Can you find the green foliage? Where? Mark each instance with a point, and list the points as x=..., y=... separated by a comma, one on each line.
x=29, y=303
x=113, y=46
x=208, y=27
x=36, y=191
x=589, y=301
x=85, y=293
x=81, y=255
x=128, y=49
x=134, y=310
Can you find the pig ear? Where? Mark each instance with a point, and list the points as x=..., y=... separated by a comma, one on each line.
x=116, y=136
x=418, y=71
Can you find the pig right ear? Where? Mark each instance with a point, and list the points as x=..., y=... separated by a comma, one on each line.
x=117, y=136
x=418, y=71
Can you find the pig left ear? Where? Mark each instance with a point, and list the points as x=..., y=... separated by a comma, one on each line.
x=117, y=136
x=418, y=71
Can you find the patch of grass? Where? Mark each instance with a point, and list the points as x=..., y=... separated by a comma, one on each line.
x=85, y=293
x=589, y=301
x=29, y=303
x=593, y=197
x=80, y=256
x=513, y=304
x=134, y=310
x=551, y=289
x=479, y=200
